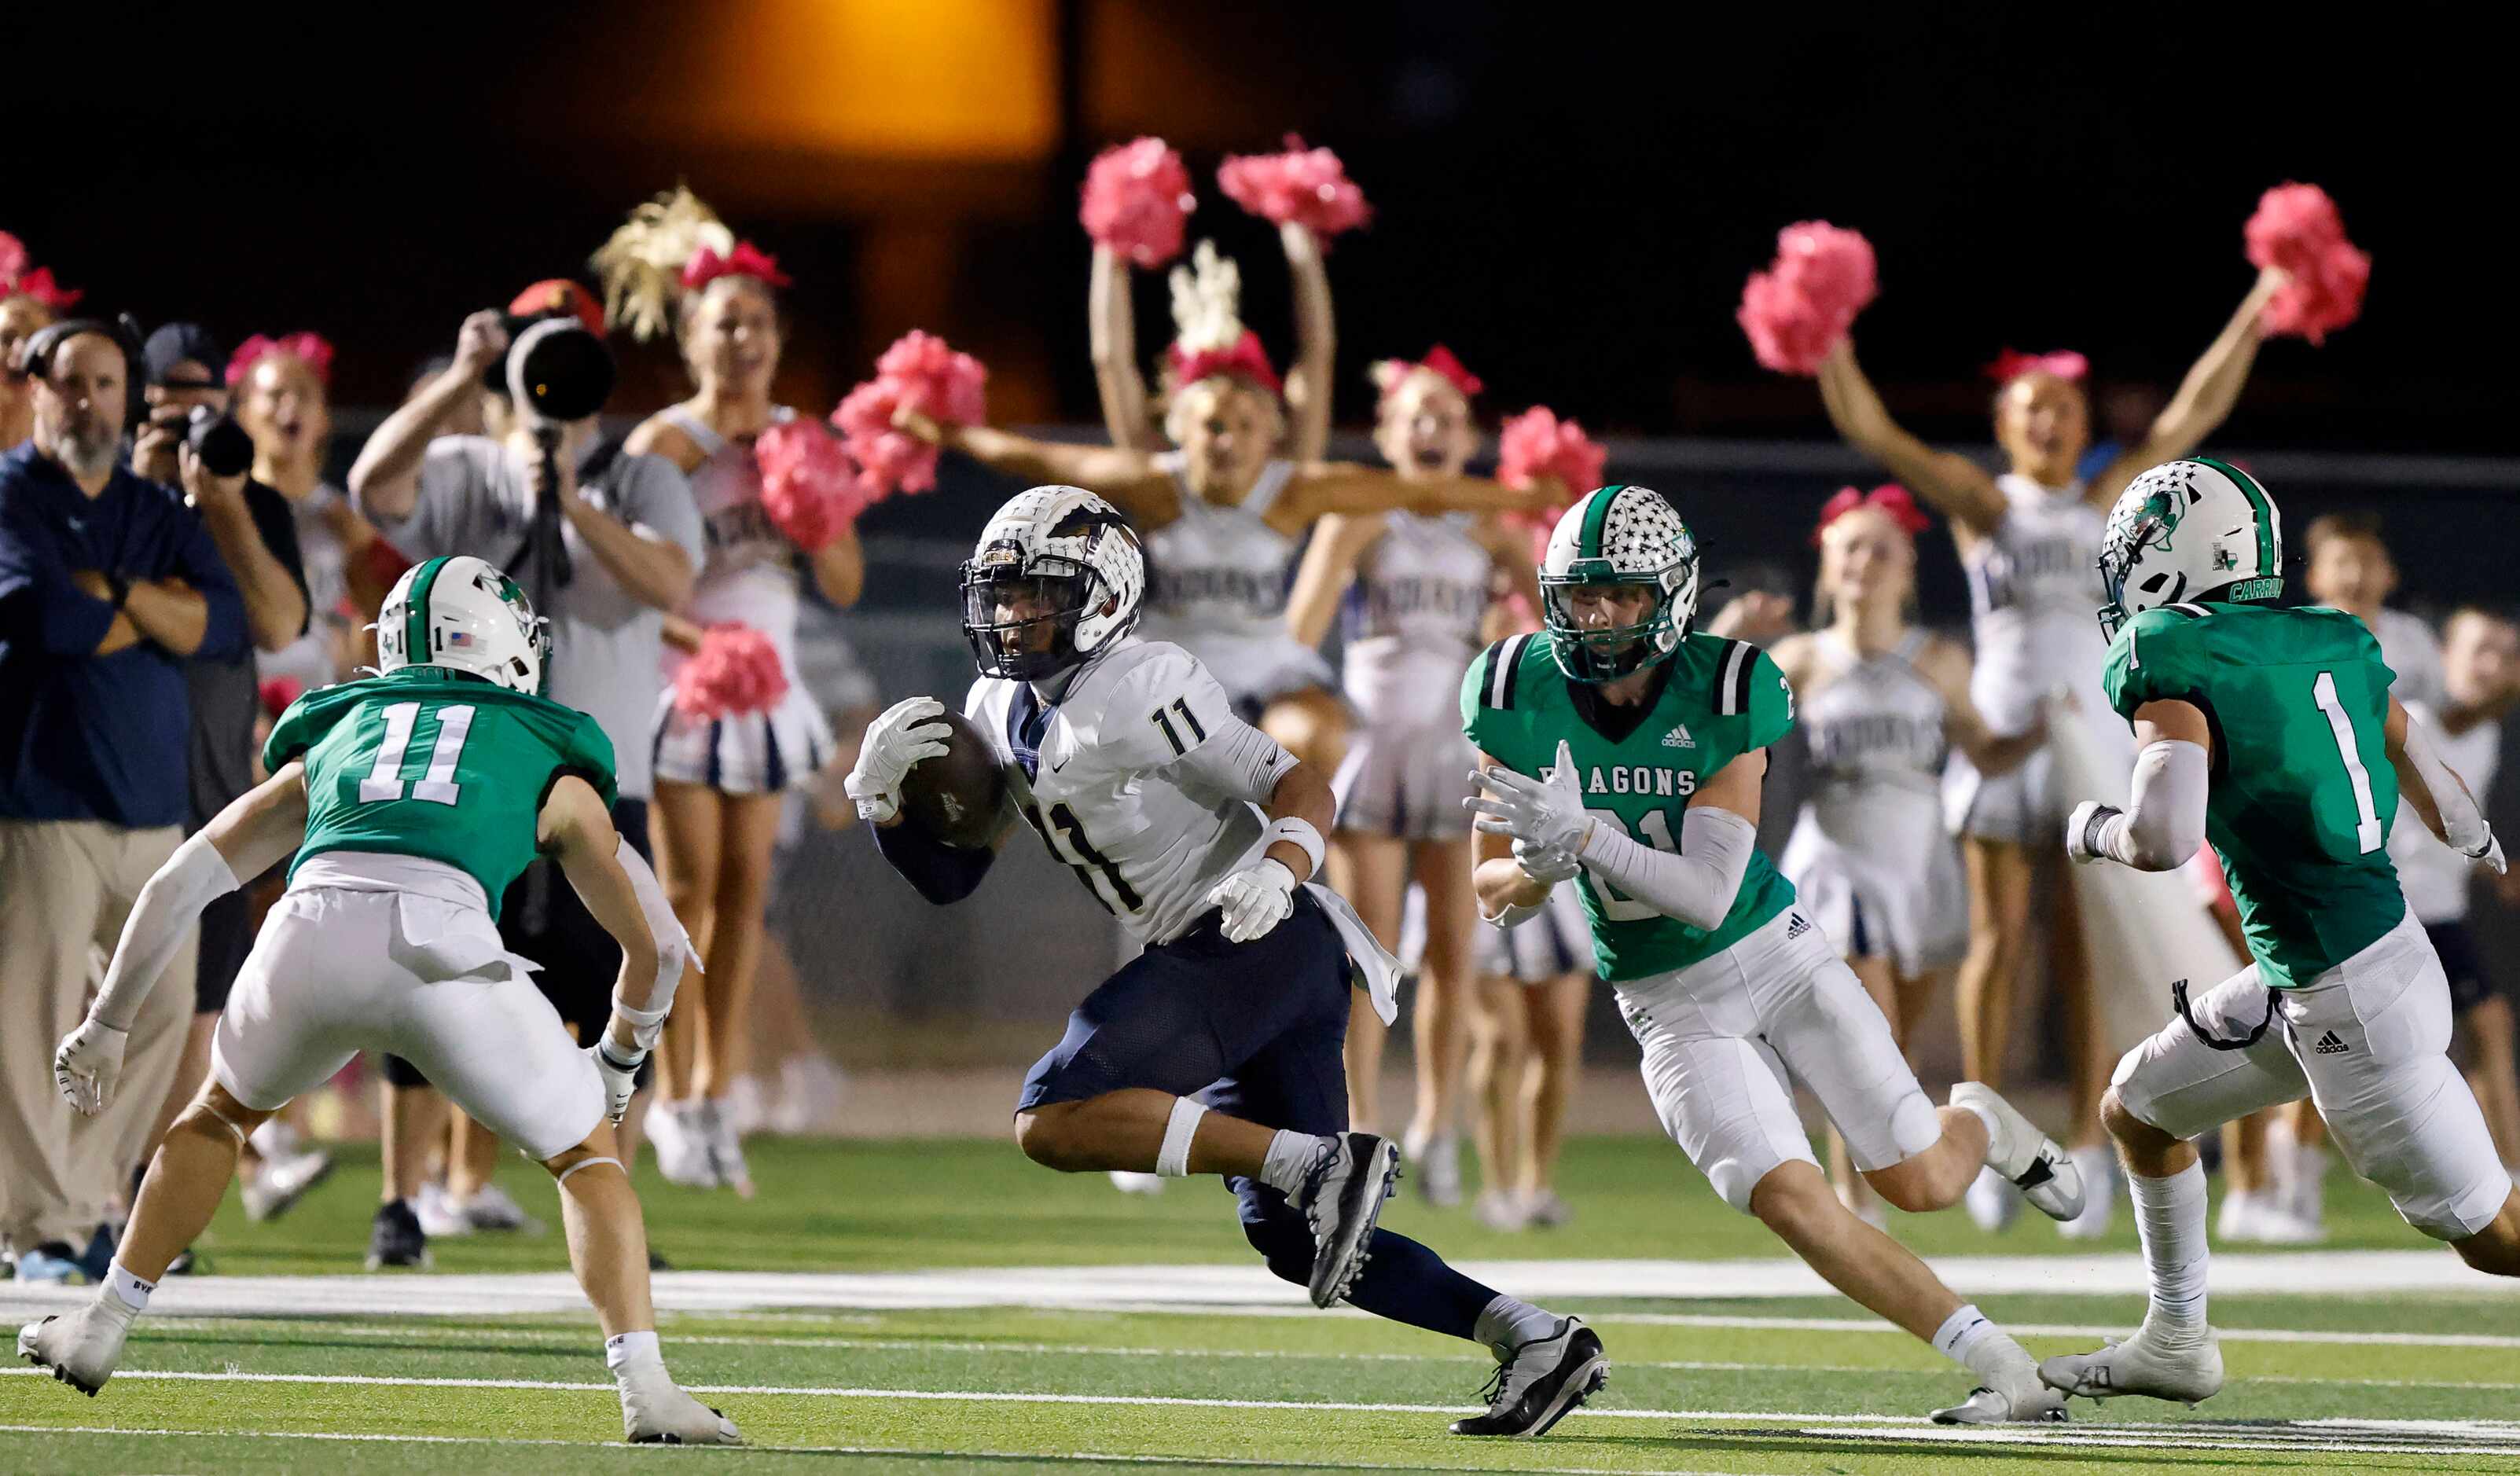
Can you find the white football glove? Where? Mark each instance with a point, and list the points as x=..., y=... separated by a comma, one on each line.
x=895, y=742
x=2491, y=853
x=88, y=1065
x=1545, y=814
x=1255, y=899
x=2082, y=830
x=620, y=1076
x=1546, y=863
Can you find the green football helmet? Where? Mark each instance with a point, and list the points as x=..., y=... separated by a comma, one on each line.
x=1618, y=535
x=2187, y=530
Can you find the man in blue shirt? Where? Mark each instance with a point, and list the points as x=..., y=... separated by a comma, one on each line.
x=106, y=588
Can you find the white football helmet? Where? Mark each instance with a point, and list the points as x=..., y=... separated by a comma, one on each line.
x=2197, y=529
x=1058, y=576
x=462, y=613
x=1618, y=535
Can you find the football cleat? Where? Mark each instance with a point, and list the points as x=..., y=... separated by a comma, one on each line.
x=2020, y=1401
x=681, y=1154
x=80, y=1348
x=2046, y=1173
x=1538, y=1382
x=1341, y=1200
x=2189, y=1371
x=279, y=1183
x=656, y=1412
x=396, y=1240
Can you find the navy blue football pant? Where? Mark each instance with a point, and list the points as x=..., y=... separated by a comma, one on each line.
x=1258, y=1031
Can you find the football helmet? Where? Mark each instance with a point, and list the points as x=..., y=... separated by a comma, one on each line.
x=461, y=613
x=2197, y=529
x=1056, y=577
x=1618, y=535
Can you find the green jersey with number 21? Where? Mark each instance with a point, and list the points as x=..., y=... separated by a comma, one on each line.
x=1718, y=701
x=422, y=763
x=2303, y=792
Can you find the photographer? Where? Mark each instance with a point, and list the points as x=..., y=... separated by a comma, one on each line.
x=603, y=558
x=106, y=588
x=256, y=534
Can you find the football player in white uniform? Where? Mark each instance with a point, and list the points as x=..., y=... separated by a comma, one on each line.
x=1218, y=1049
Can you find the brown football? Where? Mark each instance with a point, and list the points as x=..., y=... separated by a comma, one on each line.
x=959, y=798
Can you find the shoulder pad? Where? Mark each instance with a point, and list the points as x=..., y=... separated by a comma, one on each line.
x=1500, y=670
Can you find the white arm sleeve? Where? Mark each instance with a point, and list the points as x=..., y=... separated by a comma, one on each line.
x=1695, y=886
x=1237, y=760
x=674, y=949
x=2165, y=821
x=2462, y=824
x=161, y=922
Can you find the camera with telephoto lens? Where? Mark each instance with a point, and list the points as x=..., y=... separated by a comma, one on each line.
x=554, y=367
x=219, y=441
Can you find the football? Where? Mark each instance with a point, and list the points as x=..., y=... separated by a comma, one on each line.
x=959, y=798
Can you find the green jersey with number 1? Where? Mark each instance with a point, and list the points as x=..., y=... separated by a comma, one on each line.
x=422, y=763
x=1719, y=700
x=2303, y=792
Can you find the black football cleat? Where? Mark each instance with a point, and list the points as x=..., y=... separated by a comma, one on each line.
x=1539, y=1382
x=396, y=1240
x=1343, y=1200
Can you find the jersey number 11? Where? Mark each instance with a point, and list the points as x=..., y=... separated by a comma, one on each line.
x=384, y=780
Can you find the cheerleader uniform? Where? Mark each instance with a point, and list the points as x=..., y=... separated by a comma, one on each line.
x=1215, y=586
x=2034, y=596
x=1867, y=857
x=748, y=574
x=1412, y=628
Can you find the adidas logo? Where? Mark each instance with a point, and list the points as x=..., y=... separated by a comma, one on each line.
x=2329, y=1045
x=1796, y=925
x=1679, y=737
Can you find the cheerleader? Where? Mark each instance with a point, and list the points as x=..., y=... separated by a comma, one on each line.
x=1416, y=588
x=1879, y=701
x=1223, y=513
x=720, y=781
x=283, y=396
x=2029, y=540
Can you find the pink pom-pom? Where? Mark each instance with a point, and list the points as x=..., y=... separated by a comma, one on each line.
x=1536, y=444
x=1305, y=187
x=735, y=671
x=1795, y=311
x=1134, y=200
x=919, y=372
x=2298, y=230
x=808, y=487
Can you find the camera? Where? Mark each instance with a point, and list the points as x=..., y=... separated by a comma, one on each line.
x=559, y=371
x=218, y=440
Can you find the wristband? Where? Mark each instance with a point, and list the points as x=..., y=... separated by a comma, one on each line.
x=643, y=1023
x=611, y=1058
x=1300, y=831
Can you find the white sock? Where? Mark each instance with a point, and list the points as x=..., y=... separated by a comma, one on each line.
x=1291, y=1154
x=1967, y=1338
x=2169, y=1220
x=1508, y=1322
x=633, y=1353
x=133, y=1291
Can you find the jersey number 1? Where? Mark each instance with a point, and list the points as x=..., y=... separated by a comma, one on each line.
x=2366, y=821
x=438, y=785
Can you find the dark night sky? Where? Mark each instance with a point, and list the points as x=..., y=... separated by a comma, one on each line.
x=1569, y=197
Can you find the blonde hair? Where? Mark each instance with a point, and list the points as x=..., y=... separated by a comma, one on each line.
x=640, y=266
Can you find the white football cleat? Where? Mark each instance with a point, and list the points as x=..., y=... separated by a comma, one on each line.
x=1344, y=1188
x=440, y=1217
x=1992, y=1202
x=2046, y=1173
x=2020, y=1399
x=1131, y=1181
x=281, y=1182
x=656, y=1412
x=82, y=1347
x=2189, y=1371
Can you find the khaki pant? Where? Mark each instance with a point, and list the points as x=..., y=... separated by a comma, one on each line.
x=66, y=888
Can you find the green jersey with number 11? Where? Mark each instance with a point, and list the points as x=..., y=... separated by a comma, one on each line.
x=422, y=763
x=1638, y=767
x=2303, y=792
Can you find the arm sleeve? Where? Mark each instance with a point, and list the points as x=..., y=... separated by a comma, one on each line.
x=943, y=873
x=2464, y=826
x=1235, y=759
x=36, y=592
x=1696, y=885
x=2164, y=822
x=160, y=925
x=196, y=561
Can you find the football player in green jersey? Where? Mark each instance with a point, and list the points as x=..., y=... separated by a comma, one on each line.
x=410, y=802
x=2263, y=730
x=1623, y=753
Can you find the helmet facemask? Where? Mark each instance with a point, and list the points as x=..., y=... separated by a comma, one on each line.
x=1592, y=652
x=1021, y=620
x=2124, y=546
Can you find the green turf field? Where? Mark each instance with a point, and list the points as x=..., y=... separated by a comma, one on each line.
x=2321, y=1379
